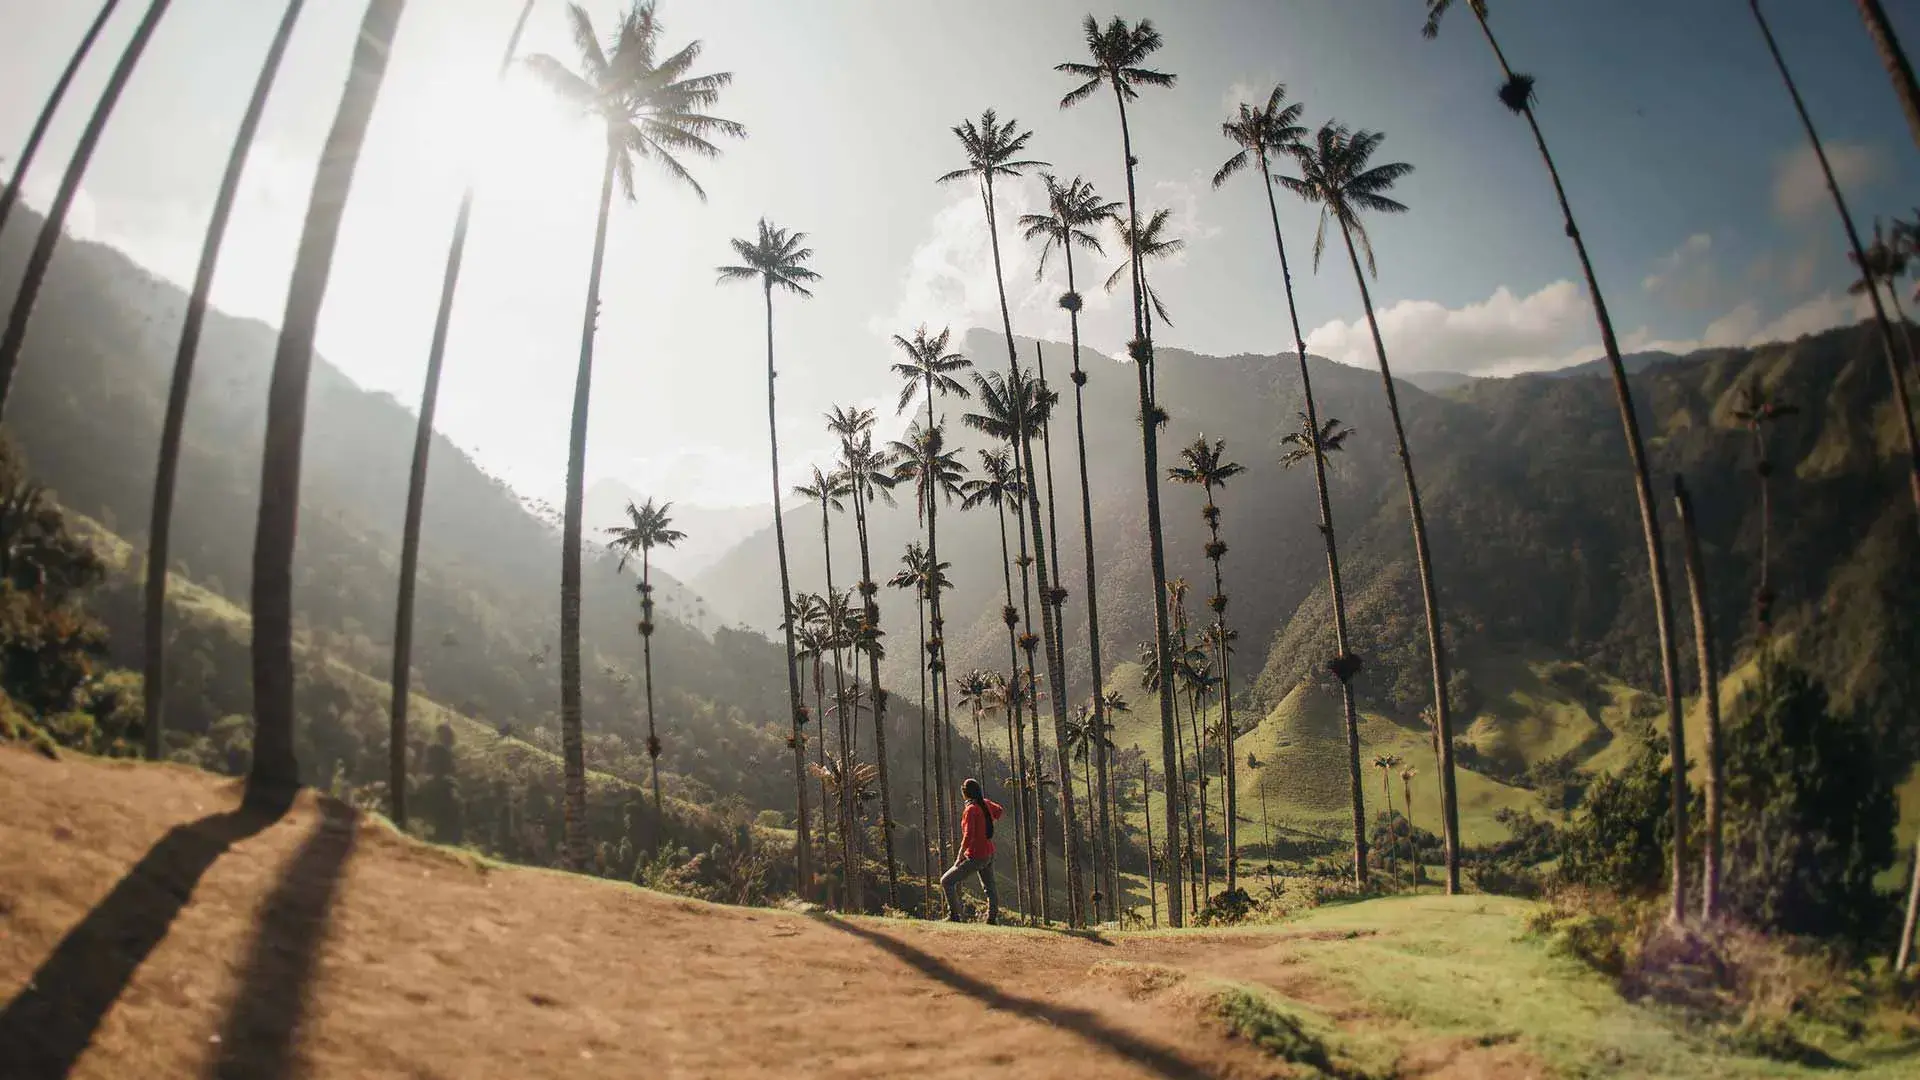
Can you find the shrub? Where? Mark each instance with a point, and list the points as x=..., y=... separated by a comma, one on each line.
x=1227, y=908
x=1621, y=837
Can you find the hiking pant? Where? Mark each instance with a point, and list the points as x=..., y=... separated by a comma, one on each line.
x=950, y=881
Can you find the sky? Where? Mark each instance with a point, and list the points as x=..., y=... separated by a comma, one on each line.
x=1705, y=214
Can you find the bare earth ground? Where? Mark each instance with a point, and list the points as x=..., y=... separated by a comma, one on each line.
x=148, y=931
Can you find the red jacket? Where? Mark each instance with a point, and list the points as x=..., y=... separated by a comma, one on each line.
x=974, y=841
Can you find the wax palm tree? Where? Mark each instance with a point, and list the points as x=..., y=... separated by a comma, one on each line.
x=651, y=109
x=914, y=573
x=1709, y=695
x=1013, y=407
x=830, y=490
x=1337, y=173
x=649, y=526
x=173, y=425
x=921, y=458
x=1205, y=464
x=51, y=107
x=1517, y=94
x=836, y=620
x=55, y=223
x=869, y=476
x=1884, y=264
x=417, y=474
x=1118, y=53
x=1074, y=213
x=999, y=484
x=993, y=150
x=1386, y=763
x=274, y=768
x=976, y=690
x=1757, y=409
x=777, y=258
x=812, y=643
x=1144, y=244
x=1894, y=59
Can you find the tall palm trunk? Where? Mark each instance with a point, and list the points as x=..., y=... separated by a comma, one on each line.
x=1345, y=665
x=1442, y=719
x=1228, y=765
x=1195, y=706
x=1057, y=688
x=820, y=750
x=417, y=475
x=1055, y=599
x=802, y=856
x=1763, y=595
x=1709, y=693
x=877, y=697
x=1649, y=524
x=646, y=661
x=172, y=427
x=1036, y=761
x=926, y=806
x=572, y=743
x=1156, y=544
x=1016, y=756
x=1386, y=784
x=1413, y=847
x=935, y=657
x=1146, y=811
x=274, y=769
x=849, y=890
x=1894, y=375
x=1101, y=757
x=55, y=224
x=1880, y=28
x=21, y=164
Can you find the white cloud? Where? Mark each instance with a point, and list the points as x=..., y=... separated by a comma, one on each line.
x=1687, y=276
x=1500, y=334
x=1800, y=189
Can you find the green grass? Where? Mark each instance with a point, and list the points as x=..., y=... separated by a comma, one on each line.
x=1463, y=966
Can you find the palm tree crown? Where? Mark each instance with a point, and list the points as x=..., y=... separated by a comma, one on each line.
x=1117, y=52
x=921, y=458
x=1149, y=242
x=1261, y=131
x=1332, y=438
x=649, y=525
x=652, y=108
x=776, y=257
x=999, y=482
x=1013, y=405
x=991, y=147
x=1071, y=208
x=1205, y=463
x=1335, y=172
x=929, y=363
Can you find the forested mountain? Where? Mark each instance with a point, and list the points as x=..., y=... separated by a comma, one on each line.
x=1528, y=494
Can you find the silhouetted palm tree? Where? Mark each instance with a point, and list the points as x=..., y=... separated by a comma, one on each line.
x=11, y=193
x=54, y=226
x=1118, y=52
x=830, y=489
x=1205, y=464
x=417, y=477
x=776, y=257
x=651, y=109
x=274, y=768
x=1337, y=172
x=1516, y=93
x=1313, y=442
x=869, y=476
x=993, y=150
x=1413, y=845
x=916, y=573
x=1012, y=408
x=173, y=424
x=1386, y=763
x=1144, y=244
x=1894, y=58
x=648, y=526
x=1074, y=211
x=1757, y=409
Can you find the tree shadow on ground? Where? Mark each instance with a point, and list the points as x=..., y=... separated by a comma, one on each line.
x=49, y=1024
x=257, y=1038
x=1162, y=1061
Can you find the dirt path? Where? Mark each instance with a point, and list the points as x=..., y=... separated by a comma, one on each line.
x=146, y=931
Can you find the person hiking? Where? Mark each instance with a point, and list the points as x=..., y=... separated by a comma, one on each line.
x=976, y=851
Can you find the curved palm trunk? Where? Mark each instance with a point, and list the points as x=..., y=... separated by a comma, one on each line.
x=55, y=224
x=1156, y=544
x=173, y=425
x=1093, y=604
x=1345, y=664
x=572, y=743
x=1649, y=524
x=11, y=193
x=1894, y=376
x=870, y=611
x=646, y=660
x=1015, y=754
x=1436, y=646
x=802, y=856
x=1036, y=761
x=275, y=772
x=1709, y=692
x=417, y=475
x=1894, y=58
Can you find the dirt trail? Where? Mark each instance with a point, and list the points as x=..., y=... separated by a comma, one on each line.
x=147, y=931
